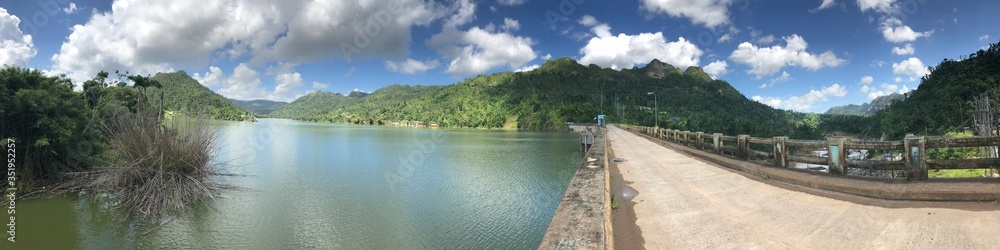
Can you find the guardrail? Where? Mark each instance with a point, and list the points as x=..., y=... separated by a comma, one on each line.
x=914, y=151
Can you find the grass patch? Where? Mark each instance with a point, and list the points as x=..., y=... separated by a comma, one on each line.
x=958, y=173
x=158, y=169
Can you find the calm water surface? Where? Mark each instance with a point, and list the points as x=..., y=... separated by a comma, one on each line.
x=331, y=186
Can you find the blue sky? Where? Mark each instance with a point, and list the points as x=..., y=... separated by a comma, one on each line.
x=798, y=55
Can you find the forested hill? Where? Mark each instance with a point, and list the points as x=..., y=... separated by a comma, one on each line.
x=185, y=95
x=878, y=104
x=260, y=107
x=943, y=101
x=562, y=91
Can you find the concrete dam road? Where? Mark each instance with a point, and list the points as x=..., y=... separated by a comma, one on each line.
x=685, y=203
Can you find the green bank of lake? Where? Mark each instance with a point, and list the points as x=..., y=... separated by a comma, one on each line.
x=329, y=186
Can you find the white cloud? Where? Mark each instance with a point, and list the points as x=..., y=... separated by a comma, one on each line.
x=912, y=67
x=766, y=40
x=897, y=79
x=905, y=50
x=865, y=80
x=466, y=13
x=212, y=78
x=785, y=77
x=894, y=31
x=319, y=85
x=625, y=51
x=528, y=68
x=804, y=103
x=410, y=66
x=984, y=38
x=476, y=51
x=244, y=84
x=547, y=57
x=766, y=61
x=510, y=25
x=16, y=48
x=826, y=4
x=144, y=37
x=710, y=13
x=717, y=68
x=883, y=6
x=884, y=90
x=286, y=83
x=70, y=9
x=762, y=86
x=512, y=2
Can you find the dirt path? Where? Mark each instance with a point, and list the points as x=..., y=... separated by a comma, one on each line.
x=684, y=203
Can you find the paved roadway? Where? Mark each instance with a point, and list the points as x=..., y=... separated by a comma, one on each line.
x=685, y=203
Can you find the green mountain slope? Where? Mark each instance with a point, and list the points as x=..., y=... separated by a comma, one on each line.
x=562, y=91
x=878, y=104
x=942, y=102
x=261, y=107
x=185, y=95
x=313, y=105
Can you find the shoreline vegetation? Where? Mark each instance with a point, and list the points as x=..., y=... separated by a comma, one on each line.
x=110, y=142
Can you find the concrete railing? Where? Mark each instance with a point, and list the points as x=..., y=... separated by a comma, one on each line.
x=914, y=151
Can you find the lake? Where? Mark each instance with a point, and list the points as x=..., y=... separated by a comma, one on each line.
x=329, y=186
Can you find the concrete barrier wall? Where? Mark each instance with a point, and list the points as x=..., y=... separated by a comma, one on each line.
x=581, y=219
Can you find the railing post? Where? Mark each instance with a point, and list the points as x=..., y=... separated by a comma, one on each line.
x=835, y=157
x=677, y=136
x=686, y=138
x=701, y=141
x=743, y=147
x=916, y=158
x=716, y=143
x=780, y=151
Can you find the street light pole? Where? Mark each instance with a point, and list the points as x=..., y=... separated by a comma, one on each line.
x=656, y=113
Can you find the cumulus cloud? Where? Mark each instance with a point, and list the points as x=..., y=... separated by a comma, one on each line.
x=717, y=68
x=984, y=38
x=547, y=57
x=245, y=84
x=905, y=50
x=625, y=51
x=16, y=48
x=466, y=12
x=147, y=37
x=70, y=9
x=212, y=78
x=804, y=103
x=710, y=13
x=882, y=6
x=410, y=66
x=865, y=80
x=286, y=83
x=510, y=25
x=895, y=31
x=912, y=67
x=477, y=50
x=765, y=61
